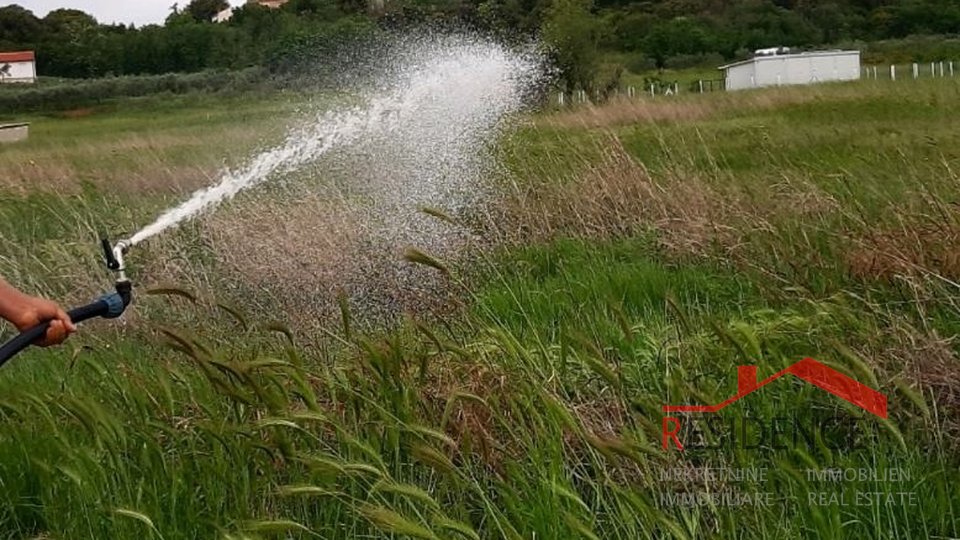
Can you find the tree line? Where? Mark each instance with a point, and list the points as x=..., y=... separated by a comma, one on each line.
x=645, y=34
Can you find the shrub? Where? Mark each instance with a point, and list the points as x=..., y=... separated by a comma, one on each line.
x=911, y=49
x=685, y=61
x=61, y=94
x=640, y=63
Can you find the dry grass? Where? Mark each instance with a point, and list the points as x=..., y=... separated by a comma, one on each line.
x=918, y=245
x=622, y=111
x=706, y=212
x=135, y=163
x=306, y=245
x=686, y=108
x=930, y=364
x=617, y=198
x=148, y=176
x=304, y=254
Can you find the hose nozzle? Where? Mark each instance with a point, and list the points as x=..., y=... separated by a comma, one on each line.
x=113, y=255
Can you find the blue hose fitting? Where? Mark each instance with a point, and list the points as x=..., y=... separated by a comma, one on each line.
x=115, y=305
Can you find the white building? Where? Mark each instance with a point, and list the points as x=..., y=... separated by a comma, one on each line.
x=227, y=14
x=223, y=15
x=18, y=67
x=800, y=68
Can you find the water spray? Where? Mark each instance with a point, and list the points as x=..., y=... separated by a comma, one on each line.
x=109, y=306
x=428, y=109
x=419, y=128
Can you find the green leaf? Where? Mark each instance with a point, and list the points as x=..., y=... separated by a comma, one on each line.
x=142, y=518
x=275, y=526
x=391, y=522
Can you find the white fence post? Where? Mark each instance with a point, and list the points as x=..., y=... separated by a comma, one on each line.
x=560, y=99
x=701, y=86
x=933, y=69
x=941, y=68
x=916, y=70
x=652, y=91
x=951, y=68
x=874, y=72
x=893, y=73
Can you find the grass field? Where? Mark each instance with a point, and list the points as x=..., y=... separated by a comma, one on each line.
x=636, y=253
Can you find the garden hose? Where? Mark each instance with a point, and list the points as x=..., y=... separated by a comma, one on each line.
x=109, y=306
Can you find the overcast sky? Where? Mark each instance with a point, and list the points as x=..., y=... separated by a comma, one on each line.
x=139, y=12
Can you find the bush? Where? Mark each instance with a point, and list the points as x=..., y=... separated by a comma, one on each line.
x=911, y=49
x=686, y=61
x=640, y=63
x=64, y=94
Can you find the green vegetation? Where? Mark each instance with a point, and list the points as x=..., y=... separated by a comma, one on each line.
x=642, y=251
x=71, y=43
x=305, y=36
x=66, y=94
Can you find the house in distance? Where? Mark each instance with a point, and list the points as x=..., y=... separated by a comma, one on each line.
x=18, y=67
x=227, y=14
x=779, y=67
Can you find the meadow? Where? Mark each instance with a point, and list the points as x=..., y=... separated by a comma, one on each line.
x=635, y=253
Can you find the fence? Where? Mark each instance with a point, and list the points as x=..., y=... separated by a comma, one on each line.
x=654, y=89
x=939, y=69
x=917, y=70
x=708, y=85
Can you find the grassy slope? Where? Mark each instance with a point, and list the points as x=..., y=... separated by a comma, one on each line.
x=667, y=251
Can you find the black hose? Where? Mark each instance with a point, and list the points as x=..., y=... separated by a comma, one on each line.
x=25, y=339
x=109, y=306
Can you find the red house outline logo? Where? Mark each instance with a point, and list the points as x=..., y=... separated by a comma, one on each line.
x=809, y=370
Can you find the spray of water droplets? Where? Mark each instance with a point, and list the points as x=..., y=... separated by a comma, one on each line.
x=429, y=110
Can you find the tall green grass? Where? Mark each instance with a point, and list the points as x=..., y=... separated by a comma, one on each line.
x=535, y=410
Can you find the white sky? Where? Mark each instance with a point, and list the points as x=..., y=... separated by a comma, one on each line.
x=139, y=12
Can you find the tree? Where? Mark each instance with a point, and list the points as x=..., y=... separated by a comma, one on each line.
x=70, y=23
x=572, y=33
x=680, y=36
x=18, y=26
x=577, y=33
x=67, y=49
x=205, y=10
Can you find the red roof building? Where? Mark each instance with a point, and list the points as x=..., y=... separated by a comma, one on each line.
x=18, y=56
x=18, y=67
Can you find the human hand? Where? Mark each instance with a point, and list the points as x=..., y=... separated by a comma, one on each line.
x=25, y=312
